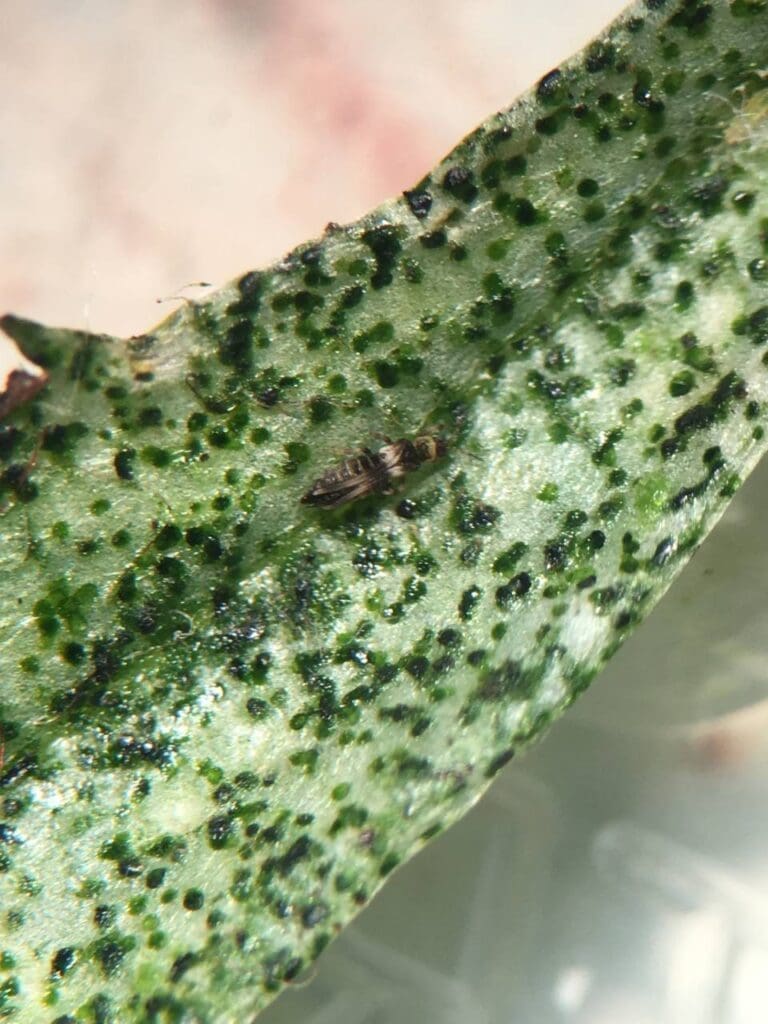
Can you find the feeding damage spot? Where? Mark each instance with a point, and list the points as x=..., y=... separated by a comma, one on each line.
x=751, y=118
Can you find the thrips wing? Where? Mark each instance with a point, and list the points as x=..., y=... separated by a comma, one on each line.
x=339, y=494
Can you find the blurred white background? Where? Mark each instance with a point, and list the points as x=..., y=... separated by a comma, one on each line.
x=618, y=874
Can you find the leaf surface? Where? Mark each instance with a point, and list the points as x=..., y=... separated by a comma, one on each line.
x=228, y=715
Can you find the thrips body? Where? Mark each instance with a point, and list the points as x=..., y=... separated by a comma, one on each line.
x=369, y=472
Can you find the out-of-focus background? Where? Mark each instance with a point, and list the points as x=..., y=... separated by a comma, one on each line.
x=618, y=874
x=158, y=142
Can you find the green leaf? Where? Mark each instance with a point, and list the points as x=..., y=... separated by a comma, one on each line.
x=228, y=715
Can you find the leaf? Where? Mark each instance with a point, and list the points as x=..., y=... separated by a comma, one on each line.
x=227, y=715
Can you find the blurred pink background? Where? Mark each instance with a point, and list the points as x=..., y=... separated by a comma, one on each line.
x=155, y=143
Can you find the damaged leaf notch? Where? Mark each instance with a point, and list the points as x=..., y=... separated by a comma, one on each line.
x=20, y=379
x=229, y=715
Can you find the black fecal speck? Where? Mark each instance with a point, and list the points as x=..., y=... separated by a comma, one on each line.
x=449, y=637
x=434, y=239
x=469, y=599
x=499, y=135
x=158, y=1004
x=297, y=851
x=219, y=830
x=311, y=256
x=236, y=347
x=509, y=679
x=221, y=599
x=695, y=418
x=692, y=15
x=625, y=619
x=268, y=397
x=106, y=655
x=9, y=439
x=130, y=867
x=293, y=968
x=314, y=914
x=757, y=325
x=101, y=1007
x=146, y=620
x=272, y=834
x=20, y=767
x=713, y=458
x=124, y=460
x=555, y=556
x=499, y=762
x=688, y=494
x=596, y=540
x=417, y=667
x=9, y=836
x=548, y=88
x=419, y=202
x=104, y=916
x=605, y=598
x=460, y=183
x=62, y=961
x=470, y=515
x=520, y=584
x=600, y=55
x=707, y=195
x=641, y=94
x=549, y=125
x=155, y=878
x=110, y=955
x=704, y=414
x=250, y=285
x=384, y=243
x=182, y=964
x=664, y=551
x=352, y=296
x=630, y=545
x=669, y=447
